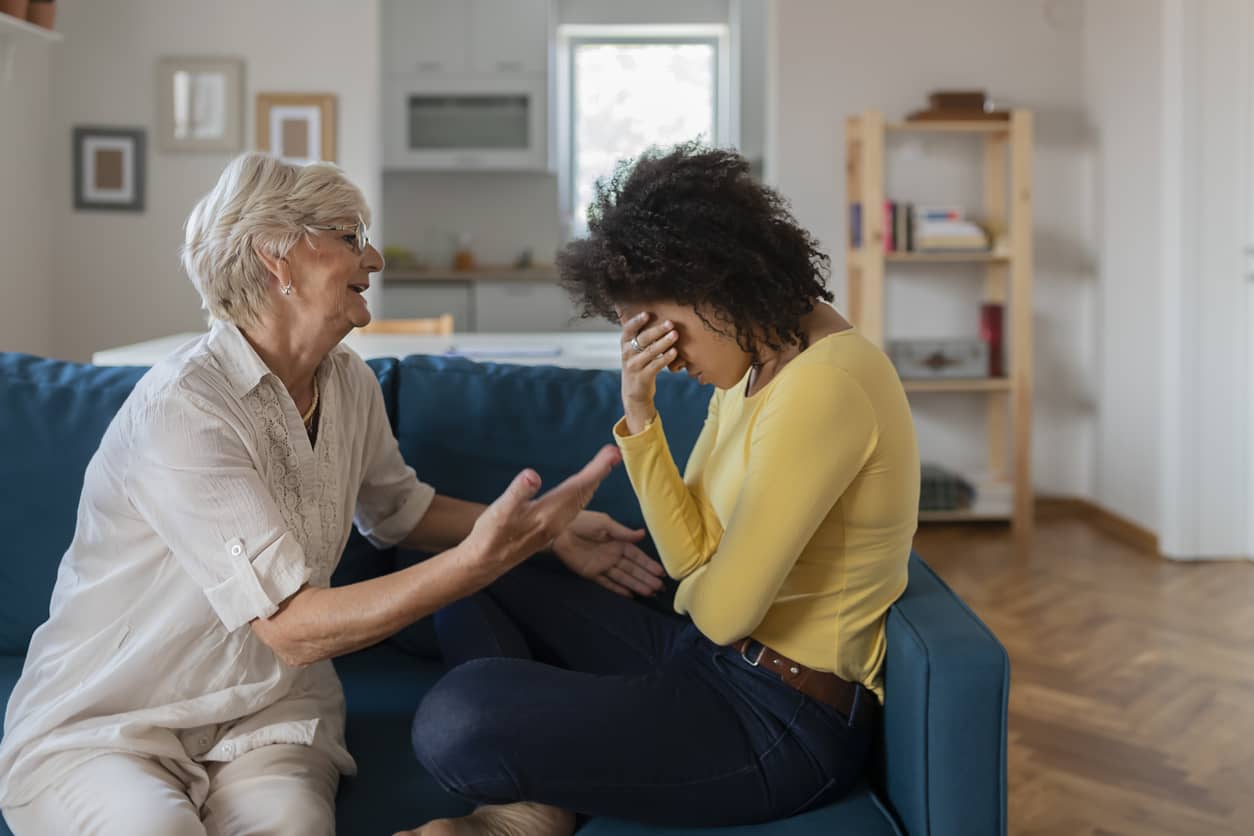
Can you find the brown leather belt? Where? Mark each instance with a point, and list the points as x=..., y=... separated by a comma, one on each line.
x=828, y=688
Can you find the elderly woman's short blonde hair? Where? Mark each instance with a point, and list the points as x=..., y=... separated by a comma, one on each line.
x=261, y=202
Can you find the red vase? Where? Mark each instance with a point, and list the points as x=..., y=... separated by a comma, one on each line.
x=992, y=316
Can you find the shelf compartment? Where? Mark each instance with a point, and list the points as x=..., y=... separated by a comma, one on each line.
x=957, y=126
x=989, y=384
x=994, y=503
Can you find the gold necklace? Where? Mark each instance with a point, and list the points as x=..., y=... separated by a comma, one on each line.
x=308, y=416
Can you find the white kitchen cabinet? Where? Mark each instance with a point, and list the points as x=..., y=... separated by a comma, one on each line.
x=524, y=307
x=425, y=37
x=465, y=123
x=466, y=37
x=407, y=300
x=509, y=36
x=465, y=84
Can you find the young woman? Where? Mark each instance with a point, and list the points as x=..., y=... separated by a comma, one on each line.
x=790, y=532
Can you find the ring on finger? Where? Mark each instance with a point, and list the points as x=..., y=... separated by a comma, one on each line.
x=636, y=346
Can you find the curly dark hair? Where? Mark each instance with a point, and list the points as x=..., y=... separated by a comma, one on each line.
x=690, y=225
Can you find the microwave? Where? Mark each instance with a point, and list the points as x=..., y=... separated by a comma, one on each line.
x=450, y=123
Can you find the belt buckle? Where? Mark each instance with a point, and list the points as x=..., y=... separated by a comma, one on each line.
x=761, y=653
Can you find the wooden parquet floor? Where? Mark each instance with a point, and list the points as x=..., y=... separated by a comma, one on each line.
x=1132, y=679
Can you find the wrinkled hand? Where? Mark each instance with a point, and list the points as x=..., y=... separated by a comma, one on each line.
x=516, y=525
x=602, y=550
x=656, y=351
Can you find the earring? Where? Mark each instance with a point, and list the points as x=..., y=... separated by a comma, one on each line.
x=286, y=289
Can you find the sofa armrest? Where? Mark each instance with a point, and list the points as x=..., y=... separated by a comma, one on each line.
x=947, y=684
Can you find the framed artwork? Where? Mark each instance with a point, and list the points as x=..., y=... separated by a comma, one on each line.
x=299, y=127
x=109, y=168
x=200, y=104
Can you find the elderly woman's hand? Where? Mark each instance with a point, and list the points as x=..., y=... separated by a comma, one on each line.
x=517, y=526
x=597, y=547
x=647, y=349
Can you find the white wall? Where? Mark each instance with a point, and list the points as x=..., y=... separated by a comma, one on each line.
x=117, y=276
x=833, y=58
x=642, y=11
x=504, y=213
x=751, y=20
x=1122, y=60
x=25, y=203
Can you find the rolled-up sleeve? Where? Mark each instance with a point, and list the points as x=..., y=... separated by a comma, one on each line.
x=391, y=500
x=192, y=480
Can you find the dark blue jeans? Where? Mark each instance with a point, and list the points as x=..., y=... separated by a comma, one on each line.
x=563, y=693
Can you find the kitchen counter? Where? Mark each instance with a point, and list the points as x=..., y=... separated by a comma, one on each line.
x=485, y=300
x=569, y=350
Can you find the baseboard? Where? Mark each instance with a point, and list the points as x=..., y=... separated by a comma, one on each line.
x=1107, y=521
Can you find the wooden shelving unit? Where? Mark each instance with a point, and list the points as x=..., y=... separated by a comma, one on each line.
x=947, y=258
x=1006, y=488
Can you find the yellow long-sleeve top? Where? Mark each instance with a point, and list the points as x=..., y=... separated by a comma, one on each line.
x=794, y=520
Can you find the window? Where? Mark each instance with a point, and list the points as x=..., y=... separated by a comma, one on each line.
x=625, y=88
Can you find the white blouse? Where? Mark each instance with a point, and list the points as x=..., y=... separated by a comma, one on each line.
x=205, y=507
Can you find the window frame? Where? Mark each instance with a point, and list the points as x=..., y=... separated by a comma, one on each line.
x=572, y=36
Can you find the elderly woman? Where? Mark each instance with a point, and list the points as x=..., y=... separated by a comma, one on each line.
x=790, y=531
x=181, y=684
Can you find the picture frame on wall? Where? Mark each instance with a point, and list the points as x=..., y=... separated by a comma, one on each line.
x=298, y=127
x=109, y=168
x=200, y=104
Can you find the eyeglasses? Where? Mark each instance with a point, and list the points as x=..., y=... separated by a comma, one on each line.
x=359, y=231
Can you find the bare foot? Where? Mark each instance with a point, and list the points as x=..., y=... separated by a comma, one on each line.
x=522, y=819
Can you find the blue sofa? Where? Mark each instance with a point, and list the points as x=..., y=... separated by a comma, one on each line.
x=940, y=766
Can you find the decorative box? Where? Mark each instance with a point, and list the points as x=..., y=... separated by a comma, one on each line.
x=930, y=359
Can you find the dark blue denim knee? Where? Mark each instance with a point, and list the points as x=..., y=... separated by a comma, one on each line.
x=461, y=730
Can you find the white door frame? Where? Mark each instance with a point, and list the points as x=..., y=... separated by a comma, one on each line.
x=1206, y=447
x=1177, y=502
x=1248, y=377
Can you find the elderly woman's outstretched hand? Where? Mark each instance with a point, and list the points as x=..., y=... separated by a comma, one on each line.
x=517, y=525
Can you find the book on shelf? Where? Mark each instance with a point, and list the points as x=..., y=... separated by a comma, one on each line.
x=938, y=213
x=909, y=228
x=945, y=229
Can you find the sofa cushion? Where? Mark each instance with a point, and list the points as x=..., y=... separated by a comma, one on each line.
x=10, y=670
x=947, y=682
x=386, y=369
x=468, y=428
x=361, y=561
x=52, y=417
x=391, y=791
x=858, y=814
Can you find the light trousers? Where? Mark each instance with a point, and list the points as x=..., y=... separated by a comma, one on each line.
x=271, y=791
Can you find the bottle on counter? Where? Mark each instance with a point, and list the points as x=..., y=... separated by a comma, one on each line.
x=463, y=255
